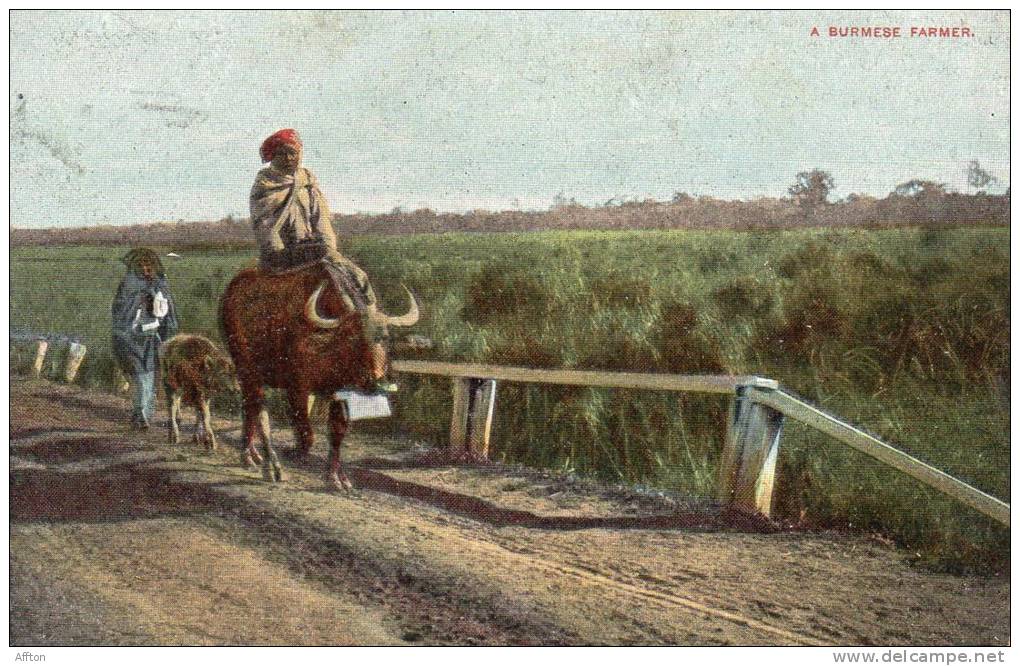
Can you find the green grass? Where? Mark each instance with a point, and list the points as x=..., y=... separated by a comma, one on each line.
x=904, y=332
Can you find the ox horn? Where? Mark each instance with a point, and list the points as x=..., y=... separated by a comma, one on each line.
x=409, y=319
x=312, y=310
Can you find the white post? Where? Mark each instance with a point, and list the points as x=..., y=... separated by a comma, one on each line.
x=75, y=355
x=474, y=402
x=482, y=408
x=747, y=470
x=461, y=409
x=40, y=356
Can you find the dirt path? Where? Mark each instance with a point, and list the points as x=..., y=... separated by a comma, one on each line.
x=117, y=539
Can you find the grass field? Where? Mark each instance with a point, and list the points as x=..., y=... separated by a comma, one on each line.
x=904, y=332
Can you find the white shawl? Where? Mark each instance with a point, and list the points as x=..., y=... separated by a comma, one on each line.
x=287, y=208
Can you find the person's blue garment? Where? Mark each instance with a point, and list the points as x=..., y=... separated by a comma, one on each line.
x=135, y=349
x=143, y=385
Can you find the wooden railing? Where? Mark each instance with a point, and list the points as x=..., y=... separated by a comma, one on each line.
x=758, y=410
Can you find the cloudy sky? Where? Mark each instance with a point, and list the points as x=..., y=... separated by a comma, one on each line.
x=124, y=117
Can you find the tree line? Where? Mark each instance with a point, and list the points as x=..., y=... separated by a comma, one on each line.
x=811, y=202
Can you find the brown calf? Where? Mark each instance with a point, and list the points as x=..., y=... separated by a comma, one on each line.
x=193, y=370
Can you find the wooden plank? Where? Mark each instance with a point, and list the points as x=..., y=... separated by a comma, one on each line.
x=482, y=407
x=865, y=443
x=459, y=419
x=749, y=457
x=626, y=380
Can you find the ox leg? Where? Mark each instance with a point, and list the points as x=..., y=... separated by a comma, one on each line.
x=174, y=407
x=299, y=409
x=271, y=470
x=337, y=429
x=252, y=407
x=210, y=436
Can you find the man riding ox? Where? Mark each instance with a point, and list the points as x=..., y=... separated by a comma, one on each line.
x=291, y=218
x=307, y=320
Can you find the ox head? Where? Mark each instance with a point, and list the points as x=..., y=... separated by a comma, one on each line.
x=376, y=317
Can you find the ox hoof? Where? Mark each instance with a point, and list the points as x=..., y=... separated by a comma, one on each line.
x=272, y=473
x=341, y=483
x=250, y=459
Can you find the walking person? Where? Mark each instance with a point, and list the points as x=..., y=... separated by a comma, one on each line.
x=143, y=317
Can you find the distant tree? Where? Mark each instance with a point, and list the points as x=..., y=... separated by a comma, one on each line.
x=978, y=178
x=681, y=197
x=561, y=201
x=919, y=188
x=812, y=188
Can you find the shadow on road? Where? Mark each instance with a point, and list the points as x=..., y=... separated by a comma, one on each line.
x=485, y=511
x=365, y=477
x=109, y=495
x=71, y=449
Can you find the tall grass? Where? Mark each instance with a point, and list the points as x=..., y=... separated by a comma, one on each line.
x=904, y=332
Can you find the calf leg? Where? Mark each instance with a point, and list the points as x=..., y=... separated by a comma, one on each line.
x=210, y=436
x=299, y=409
x=174, y=407
x=338, y=424
x=198, y=436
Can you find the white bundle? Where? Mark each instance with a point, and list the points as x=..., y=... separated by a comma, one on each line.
x=363, y=405
x=160, y=305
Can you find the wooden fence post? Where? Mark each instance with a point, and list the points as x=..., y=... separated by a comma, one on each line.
x=75, y=356
x=747, y=471
x=459, y=418
x=474, y=402
x=40, y=356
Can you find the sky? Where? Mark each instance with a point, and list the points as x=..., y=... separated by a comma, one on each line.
x=124, y=117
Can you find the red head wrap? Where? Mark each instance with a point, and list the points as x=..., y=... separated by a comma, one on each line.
x=285, y=137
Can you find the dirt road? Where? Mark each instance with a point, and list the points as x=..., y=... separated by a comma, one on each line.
x=118, y=539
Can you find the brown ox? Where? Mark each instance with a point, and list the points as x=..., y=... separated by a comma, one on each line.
x=295, y=331
x=193, y=371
